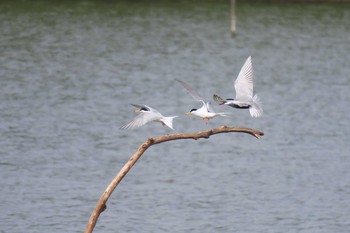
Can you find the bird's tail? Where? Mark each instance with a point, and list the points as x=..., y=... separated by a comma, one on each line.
x=224, y=114
x=168, y=121
x=256, y=108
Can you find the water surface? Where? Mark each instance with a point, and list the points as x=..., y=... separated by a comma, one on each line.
x=69, y=71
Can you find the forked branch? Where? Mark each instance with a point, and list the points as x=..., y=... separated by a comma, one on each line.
x=101, y=205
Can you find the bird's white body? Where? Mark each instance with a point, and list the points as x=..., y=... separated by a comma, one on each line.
x=205, y=112
x=254, y=105
x=148, y=114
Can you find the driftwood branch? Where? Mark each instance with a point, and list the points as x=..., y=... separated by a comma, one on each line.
x=101, y=205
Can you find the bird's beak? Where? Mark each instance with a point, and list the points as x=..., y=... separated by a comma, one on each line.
x=137, y=110
x=188, y=113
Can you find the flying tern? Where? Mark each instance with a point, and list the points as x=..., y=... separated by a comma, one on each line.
x=244, y=92
x=148, y=114
x=205, y=112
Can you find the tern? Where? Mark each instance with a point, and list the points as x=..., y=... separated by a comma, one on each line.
x=148, y=114
x=244, y=92
x=205, y=112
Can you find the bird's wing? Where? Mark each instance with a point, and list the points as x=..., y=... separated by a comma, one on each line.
x=195, y=95
x=218, y=99
x=209, y=108
x=140, y=106
x=141, y=119
x=244, y=82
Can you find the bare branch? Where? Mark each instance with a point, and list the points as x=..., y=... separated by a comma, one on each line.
x=101, y=205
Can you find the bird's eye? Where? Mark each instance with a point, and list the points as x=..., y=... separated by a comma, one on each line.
x=143, y=109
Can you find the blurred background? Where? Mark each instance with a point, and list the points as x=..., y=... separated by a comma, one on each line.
x=69, y=71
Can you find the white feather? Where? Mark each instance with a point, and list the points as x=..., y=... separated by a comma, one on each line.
x=147, y=116
x=244, y=82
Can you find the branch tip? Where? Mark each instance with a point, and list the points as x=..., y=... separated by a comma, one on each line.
x=101, y=206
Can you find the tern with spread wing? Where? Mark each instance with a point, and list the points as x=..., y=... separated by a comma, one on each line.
x=205, y=112
x=148, y=114
x=244, y=92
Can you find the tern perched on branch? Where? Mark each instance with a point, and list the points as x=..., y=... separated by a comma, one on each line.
x=148, y=114
x=244, y=92
x=205, y=112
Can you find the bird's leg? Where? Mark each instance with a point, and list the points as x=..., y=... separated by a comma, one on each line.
x=206, y=120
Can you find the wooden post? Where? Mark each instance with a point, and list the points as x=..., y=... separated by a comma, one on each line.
x=233, y=18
